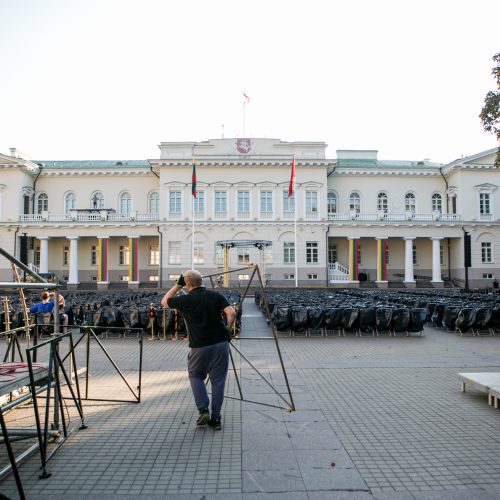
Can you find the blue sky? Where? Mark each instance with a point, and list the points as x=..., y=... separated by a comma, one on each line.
x=111, y=79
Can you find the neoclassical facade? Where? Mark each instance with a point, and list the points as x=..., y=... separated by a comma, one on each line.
x=350, y=219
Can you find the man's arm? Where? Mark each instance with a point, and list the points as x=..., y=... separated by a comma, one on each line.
x=230, y=316
x=171, y=293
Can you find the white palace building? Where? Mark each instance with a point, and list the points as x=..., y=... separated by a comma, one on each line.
x=353, y=219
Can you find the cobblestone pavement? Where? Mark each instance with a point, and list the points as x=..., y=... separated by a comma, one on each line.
x=377, y=418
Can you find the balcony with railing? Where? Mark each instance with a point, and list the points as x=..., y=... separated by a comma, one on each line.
x=220, y=215
x=243, y=215
x=394, y=217
x=312, y=215
x=485, y=217
x=92, y=215
x=266, y=215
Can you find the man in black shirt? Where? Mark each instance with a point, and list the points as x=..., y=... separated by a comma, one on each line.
x=208, y=341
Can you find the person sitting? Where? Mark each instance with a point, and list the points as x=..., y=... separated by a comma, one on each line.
x=47, y=306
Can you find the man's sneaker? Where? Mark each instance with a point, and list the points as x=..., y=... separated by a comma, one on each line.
x=203, y=417
x=215, y=424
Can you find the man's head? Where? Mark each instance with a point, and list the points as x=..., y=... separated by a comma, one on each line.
x=45, y=296
x=193, y=278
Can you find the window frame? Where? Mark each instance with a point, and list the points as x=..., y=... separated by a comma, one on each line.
x=487, y=252
x=383, y=202
x=312, y=252
x=437, y=207
x=288, y=252
x=410, y=206
x=125, y=202
x=355, y=202
x=331, y=205
x=175, y=202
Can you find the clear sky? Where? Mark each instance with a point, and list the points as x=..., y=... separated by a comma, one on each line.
x=111, y=79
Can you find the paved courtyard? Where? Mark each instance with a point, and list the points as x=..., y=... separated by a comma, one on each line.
x=377, y=418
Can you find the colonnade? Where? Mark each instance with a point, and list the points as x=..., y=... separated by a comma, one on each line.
x=409, y=275
x=102, y=260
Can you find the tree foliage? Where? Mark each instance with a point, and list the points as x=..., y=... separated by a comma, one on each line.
x=490, y=114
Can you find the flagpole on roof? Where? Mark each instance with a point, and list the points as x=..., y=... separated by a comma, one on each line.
x=193, y=196
x=246, y=100
x=292, y=192
x=295, y=224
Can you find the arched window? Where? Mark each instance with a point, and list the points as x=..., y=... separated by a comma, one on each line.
x=410, y=203
x=42, y=203
x=154, y=202
x=69, y=202
x=437, y=203
x=355, y=203
x=97, y=200
x=125, y=203
x=382, y=203
x=332, y=203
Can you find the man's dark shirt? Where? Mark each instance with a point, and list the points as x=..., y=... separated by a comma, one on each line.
x=202, y=310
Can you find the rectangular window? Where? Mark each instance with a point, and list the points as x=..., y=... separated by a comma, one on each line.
x=488, y=276
x=174, y=201
x=441, y=254
x=174, y=252
x=153, y=277
x=220, y=201
x=124, y=277
x=37, y=257
x=93, y=255
x=484, y=204
x=289, y=276
x=332, y=254
x=219, y=255
x=486, y=253
x=243, y=277
x=124, y=257
x=268, y=255
x=359, y=254
x=387, y=255
x=199, y=202
x=243, y=201
x=312, y=252
x=243, y=255
x=288, y=203
x=65, y=256
x=311, y=201
x=266, y=201
x=312, y=276
x=414, y=251
x=199, y=252
x=173, y=277
x=93, y=278
x=288, y=253
x=154, y=254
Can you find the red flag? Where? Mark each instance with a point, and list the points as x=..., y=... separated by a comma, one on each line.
x=292, y=178
x=193, y=181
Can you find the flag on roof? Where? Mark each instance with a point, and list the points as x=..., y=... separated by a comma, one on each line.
x=292, y=178
x=193, y=180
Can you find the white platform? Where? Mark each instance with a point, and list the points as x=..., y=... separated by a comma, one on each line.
x=488, y=382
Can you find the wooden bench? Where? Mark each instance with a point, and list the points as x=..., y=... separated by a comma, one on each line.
x=488, y=382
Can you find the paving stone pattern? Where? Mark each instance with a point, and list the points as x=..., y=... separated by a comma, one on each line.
x=377, y=418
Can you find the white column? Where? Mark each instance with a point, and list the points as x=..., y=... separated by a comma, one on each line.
x=44, y=254
x=436, y=260
x=409, y=274
x=73, y=260
x=2, y=187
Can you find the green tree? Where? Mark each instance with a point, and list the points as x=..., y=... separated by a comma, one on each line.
x=490, y=114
